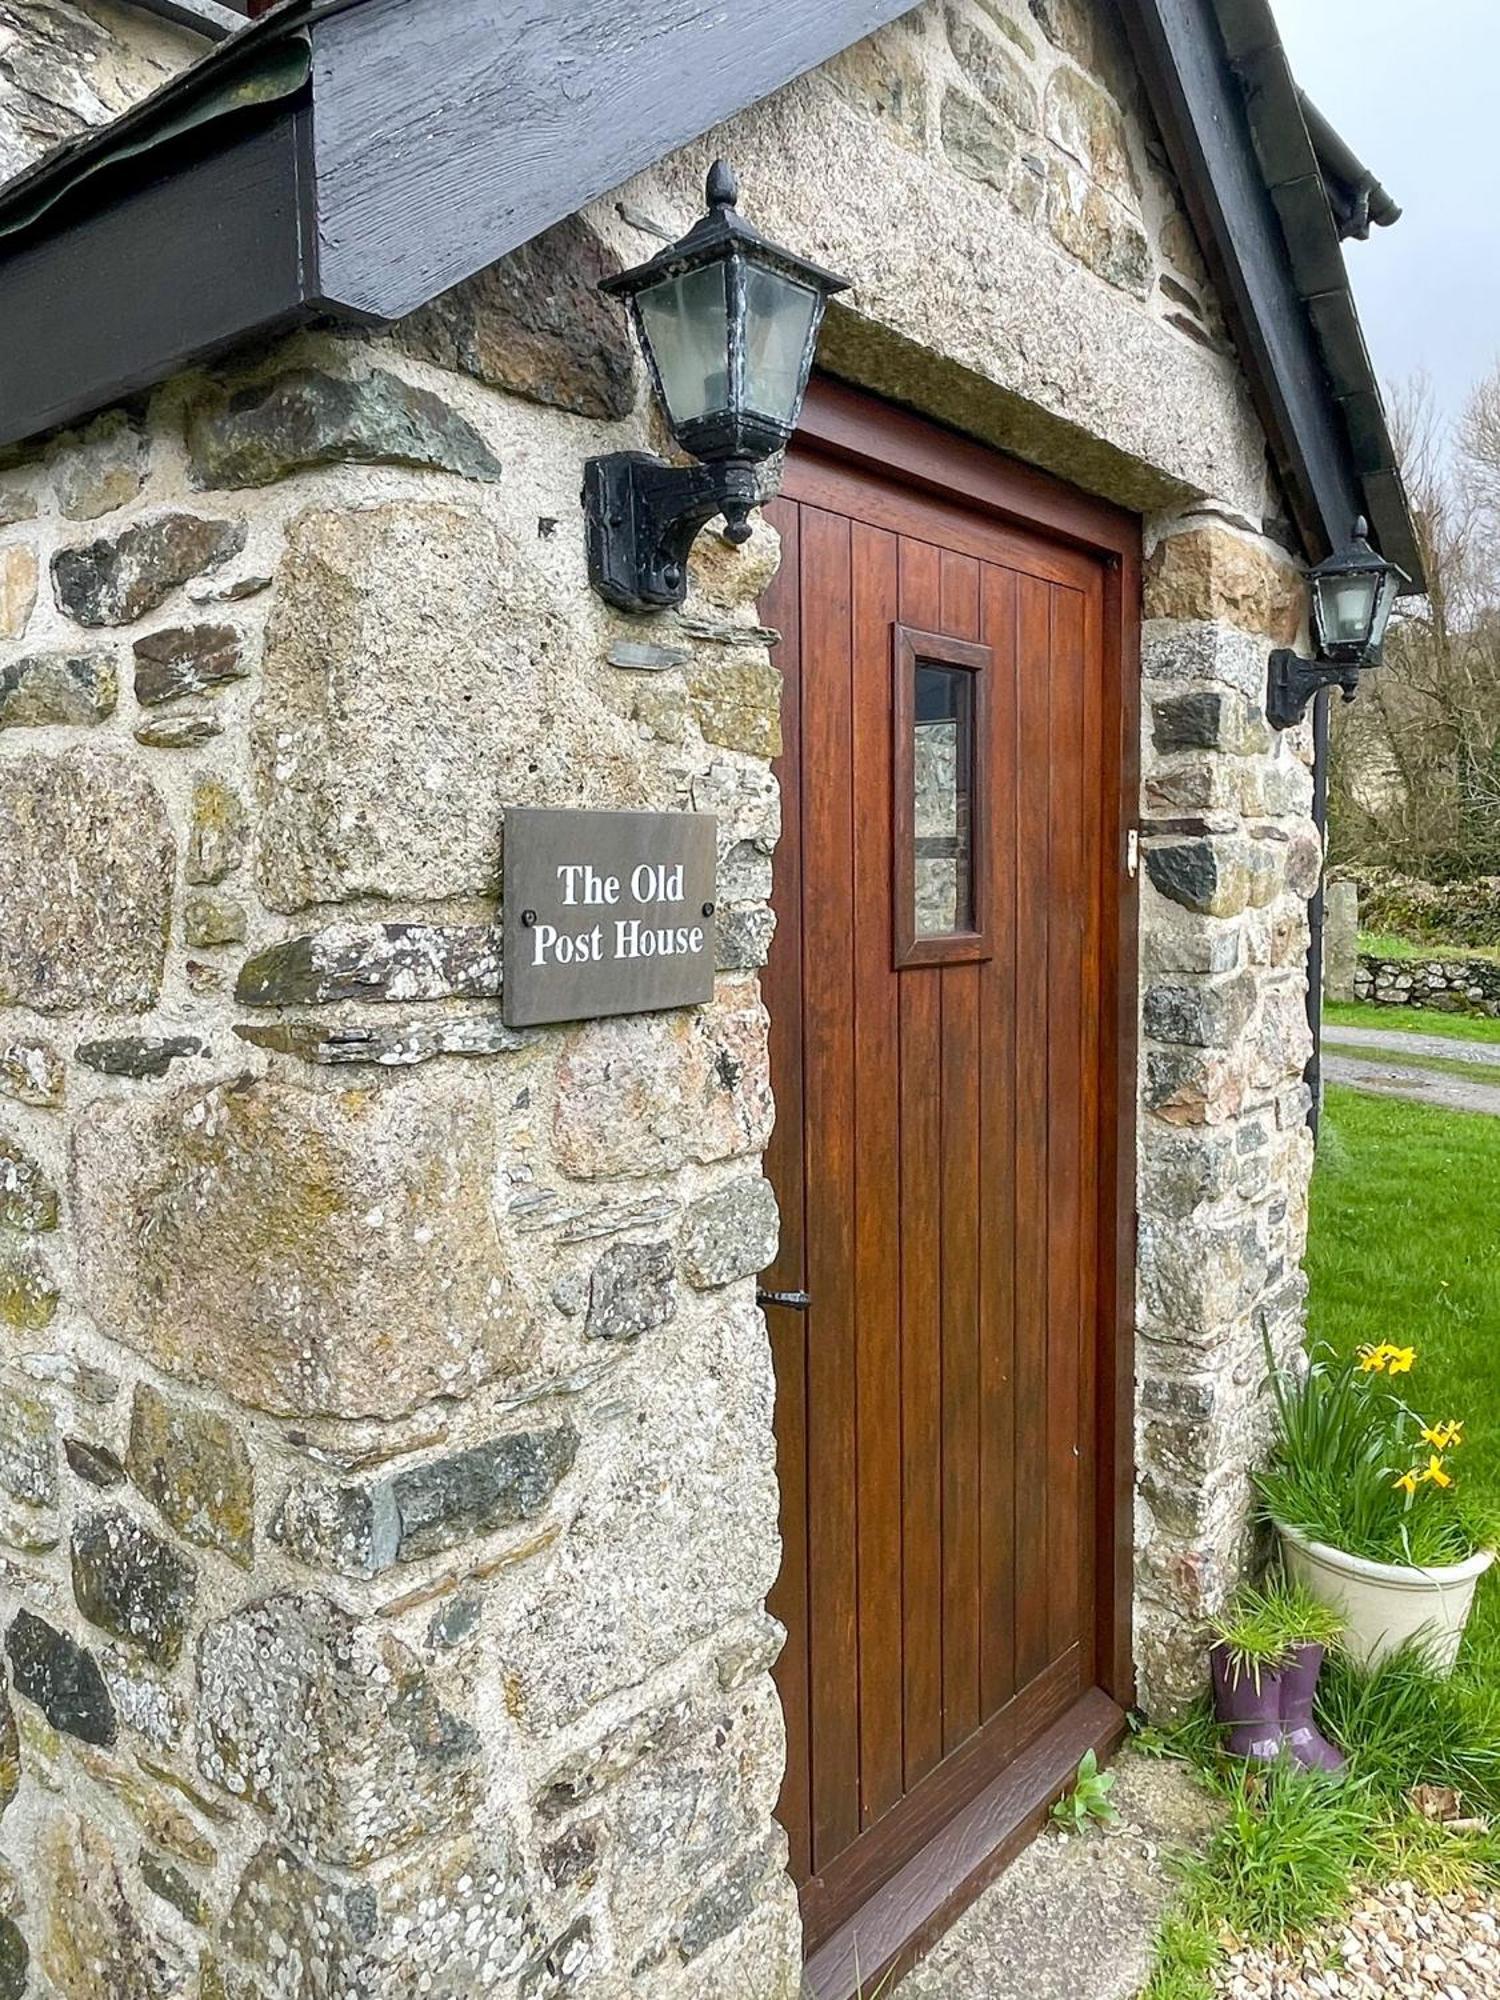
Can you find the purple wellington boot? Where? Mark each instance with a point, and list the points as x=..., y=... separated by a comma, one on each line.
x=1248, y=1705
x=1299, y=1683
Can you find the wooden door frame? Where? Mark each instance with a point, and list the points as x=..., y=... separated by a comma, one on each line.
x=893, y=445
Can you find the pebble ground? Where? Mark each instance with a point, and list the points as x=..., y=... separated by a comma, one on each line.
x=1397, y=1943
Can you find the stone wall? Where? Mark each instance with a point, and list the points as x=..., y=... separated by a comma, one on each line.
x=1231, y=855
x=387, y=1496
x=1449, y=985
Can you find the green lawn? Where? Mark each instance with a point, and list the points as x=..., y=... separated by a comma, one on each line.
x=1381, y=944
x=1405, y=1246
x=1412, y=1020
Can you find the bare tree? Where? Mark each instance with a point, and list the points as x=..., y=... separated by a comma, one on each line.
x=1415, y=777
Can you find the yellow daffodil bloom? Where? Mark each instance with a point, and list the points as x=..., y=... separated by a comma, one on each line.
x=1445, y=1437
x=1435, y=1473
x=1376, y=1360
x=1407, y=1483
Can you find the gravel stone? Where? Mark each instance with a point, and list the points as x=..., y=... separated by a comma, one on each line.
x=399, y=962
x=1398, y=1944
x=634, y=1291
x=186, y=659
x=254, y=436
x=138, y=1055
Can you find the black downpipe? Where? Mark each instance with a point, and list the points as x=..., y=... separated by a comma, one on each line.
x=1313, y=1074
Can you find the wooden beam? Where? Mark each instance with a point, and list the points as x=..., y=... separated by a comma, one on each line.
x=448, y=132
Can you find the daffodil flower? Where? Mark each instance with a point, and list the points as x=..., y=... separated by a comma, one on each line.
x=1435, y=1473
x=1445, y=1437
x=1407, y=1483
x=1372, y=1360
x=1400, y=1359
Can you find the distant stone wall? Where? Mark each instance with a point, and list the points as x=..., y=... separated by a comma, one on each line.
x=1448, y=985
x=1464, y=913
x=387, y=1489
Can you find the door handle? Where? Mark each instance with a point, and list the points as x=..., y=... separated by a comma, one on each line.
x=796, y=1301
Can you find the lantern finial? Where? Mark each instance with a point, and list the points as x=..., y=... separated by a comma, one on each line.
x=722, y=189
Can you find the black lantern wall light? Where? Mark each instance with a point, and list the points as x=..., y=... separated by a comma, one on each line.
x=728, y=322
x=1353, y=595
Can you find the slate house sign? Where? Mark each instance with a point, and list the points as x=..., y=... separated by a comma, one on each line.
x=606, y=913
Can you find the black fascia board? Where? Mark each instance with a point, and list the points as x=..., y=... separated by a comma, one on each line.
x=184, y=228
x=203, y=17
x=200, y=256
x=1214, y=70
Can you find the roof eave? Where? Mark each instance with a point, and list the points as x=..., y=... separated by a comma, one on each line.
x=359, y=226
x=1295, y=165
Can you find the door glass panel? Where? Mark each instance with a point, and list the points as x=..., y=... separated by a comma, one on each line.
x=943, y=774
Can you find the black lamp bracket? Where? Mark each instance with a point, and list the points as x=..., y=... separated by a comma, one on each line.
x=644, y=516
x=1294, y=681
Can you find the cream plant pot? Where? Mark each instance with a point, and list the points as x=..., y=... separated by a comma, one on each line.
x=1385, y=1604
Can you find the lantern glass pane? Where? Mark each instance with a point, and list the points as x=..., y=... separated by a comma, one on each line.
x=1346, y=607
x=778, y=322
x=685, y=323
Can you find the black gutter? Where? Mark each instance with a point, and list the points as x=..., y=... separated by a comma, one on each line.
x=1355, y=196
x=66, y=165
x=1316, y=912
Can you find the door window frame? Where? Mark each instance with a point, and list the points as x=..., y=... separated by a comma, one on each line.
x=910, y=650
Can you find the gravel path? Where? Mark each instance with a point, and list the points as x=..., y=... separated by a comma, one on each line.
x=1418, y=1086
x=1405, y=1042
x=1398, y=1943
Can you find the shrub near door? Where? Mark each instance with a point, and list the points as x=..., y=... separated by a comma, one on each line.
x=1367, y=1501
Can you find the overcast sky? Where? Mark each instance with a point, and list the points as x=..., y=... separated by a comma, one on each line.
x=1414, y=86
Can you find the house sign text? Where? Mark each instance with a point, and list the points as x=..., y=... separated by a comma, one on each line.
x=606, y=913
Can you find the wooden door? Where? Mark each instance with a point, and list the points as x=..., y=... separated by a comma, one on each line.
x=946, y=993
